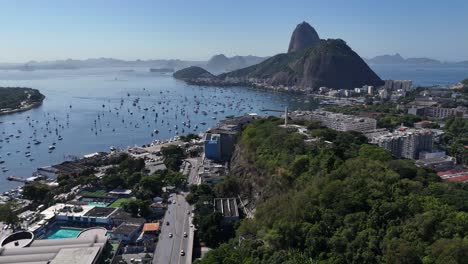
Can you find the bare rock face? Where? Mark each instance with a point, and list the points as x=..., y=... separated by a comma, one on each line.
x=303, y=37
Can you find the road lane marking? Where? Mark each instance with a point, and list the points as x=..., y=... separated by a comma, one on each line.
x=182, y=237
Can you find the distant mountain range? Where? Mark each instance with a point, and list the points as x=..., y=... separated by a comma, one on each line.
x=221, y=63
x=398, y=59
x=70, y=64
x=310, y=63
x=218, y=63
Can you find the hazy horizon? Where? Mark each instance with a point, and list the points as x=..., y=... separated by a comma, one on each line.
x=122, y=29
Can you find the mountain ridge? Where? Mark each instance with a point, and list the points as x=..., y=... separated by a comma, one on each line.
x=222, y=63
x=308, y=65
x=330, y=63
x=398, y=59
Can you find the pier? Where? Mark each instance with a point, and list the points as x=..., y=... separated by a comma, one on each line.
x=17, y=179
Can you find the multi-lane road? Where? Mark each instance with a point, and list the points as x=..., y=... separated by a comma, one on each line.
x=172, y=239
x=177, y=236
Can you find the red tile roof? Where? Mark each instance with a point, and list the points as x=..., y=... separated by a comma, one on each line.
x=151, y=227
x=443, y=173
x=462, y=178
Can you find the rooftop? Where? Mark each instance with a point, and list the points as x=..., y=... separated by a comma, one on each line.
x=151, y=227
x=66, y=209
x=211, y=137
x=100, y=211
x=126, y=229
x=81, y=250
x=123, y=216
x=121, y=192
x=227, y=206
x=76, y=255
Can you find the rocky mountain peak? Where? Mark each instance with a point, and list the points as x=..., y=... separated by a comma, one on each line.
x=303, y=37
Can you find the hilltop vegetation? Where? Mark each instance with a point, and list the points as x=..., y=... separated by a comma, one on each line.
x=345, y=202
x=192, y=72
x=15, y=97
x=456, y=138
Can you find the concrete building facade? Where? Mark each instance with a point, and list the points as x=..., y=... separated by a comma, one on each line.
x=406, y=143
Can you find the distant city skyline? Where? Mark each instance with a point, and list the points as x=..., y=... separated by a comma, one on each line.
x=197, y=30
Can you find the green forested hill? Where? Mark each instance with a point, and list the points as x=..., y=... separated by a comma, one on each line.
x=192, y=72
x=349, y=202
x=330, y=63
x=12, y=97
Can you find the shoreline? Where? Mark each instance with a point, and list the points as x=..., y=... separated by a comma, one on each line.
x=23, y=109
x=155, y=145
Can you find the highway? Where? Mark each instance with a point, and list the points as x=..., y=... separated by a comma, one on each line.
x=168, y=248
x=179, y=216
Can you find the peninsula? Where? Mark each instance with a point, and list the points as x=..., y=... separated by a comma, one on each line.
x=17, y=99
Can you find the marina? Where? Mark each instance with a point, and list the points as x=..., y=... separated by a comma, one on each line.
x=97, y=110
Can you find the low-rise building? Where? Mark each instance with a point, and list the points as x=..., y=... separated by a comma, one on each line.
x=212, y=172
x=121, y=193
x=336, y=121
x=151, y=228
x=83, y=214
x=437, y=112
x=458, y=175
x=126, y=232
x=24, y=248
x=212, y=144
x=228, y=208
x=438, y=164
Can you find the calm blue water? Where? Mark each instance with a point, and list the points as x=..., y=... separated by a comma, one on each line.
x=102, y=113
x=423, y=75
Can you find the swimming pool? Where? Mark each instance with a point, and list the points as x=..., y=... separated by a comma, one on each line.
x=64, y=232
x=98, y=204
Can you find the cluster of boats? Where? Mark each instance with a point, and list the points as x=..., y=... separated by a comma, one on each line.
x=157, y=114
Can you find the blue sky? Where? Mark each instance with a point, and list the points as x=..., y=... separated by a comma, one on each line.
x=197, y=29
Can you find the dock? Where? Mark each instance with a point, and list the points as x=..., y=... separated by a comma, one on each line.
x=17, y=179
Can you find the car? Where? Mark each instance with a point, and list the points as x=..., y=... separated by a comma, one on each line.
x=185, y=234
x=167, y=223
x=173, y=201
x=170, y=235
x=182, y=253
x=188, y=212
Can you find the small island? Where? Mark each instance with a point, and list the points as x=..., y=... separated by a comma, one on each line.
x=17, y=99
x=162, y=70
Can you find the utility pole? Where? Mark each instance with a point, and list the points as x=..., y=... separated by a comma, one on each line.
x=286, y=116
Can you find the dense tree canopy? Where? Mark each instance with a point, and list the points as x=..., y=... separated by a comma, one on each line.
x=8, y=215
x=36, y=191
x=173, y=156
x=456, y=138
x=343, y=203
x=12, y=97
